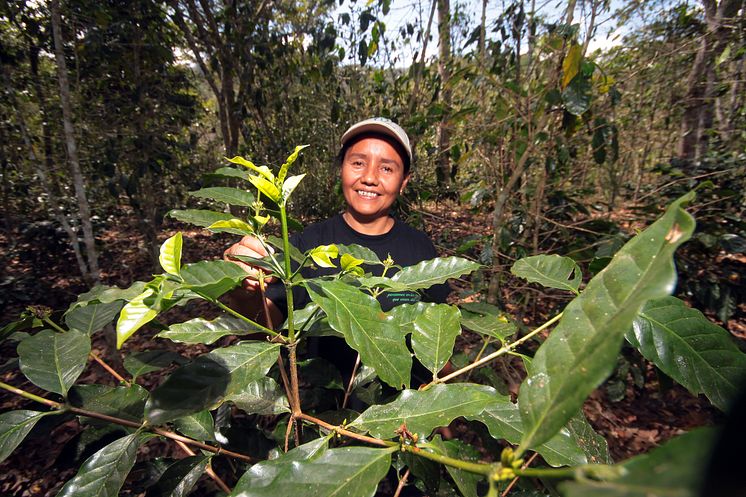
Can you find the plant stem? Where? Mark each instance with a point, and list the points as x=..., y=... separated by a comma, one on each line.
x=345, y=432
x=503, y=350
x=244, y=318
x=53, y=325
x=108, y=368
x=210, y=472
x=125, y=422
x=515, y=480
x=288, y=271
x=487, y=341
x=402, y=482
x=547, y=472
x=348, y=391
x=471, y=467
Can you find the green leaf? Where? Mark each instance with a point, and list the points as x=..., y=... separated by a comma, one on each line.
x=231, y=196
x=212, y=278
x=580, y=353
x=180, y=477
x=200, y=330
x=425, y=410
x=107, y=294
x=266, y=187
x=691, y=349
x=140, y=363
x=674, y=469
x=359, y=252
x=503, y=420
x=359, y=317
x=210, y=378
x=323, y=254
x=234, y=226
x=93, y=317
x=289, y=162
x=231, y=172
x=592, y=444
x=577, y=95
x=571, y=64
x=103, y=474
x=405, y=314
x=350, y=263
x=199, y=426
x=494, y=325
x=200, y=217
x=170, y=256
x=263, y=170
x=435, y=271
x=347, y=471
x=263, y=396
x=435, y=332
x=456, y=449
x=289, y=186
x=135, y=314
x=53, y=361
x=120, y=402
x=14, y=426
x=552, y=271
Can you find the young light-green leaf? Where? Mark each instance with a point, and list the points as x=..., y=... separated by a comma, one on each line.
x=347, y=471
x=289, y=186
x=425, y=410
x=435, y=271
x=289, y=162
x=14, y=426
x=263, y=170
x=103, y=474
x=434, y=335
x=199, y=330
x=170, y=256
x=323, y=255
x=93, y=317
x=233, y=226
x=552, y=271
x=571, y=63
x=691, y=349
x=135, y=314
x=266, y=187
x=231, y=196
x=366, y=328
x=53, y=361
x=580, y=353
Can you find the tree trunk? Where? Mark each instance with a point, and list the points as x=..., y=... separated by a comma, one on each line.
x=72, y=150
x=443, y=172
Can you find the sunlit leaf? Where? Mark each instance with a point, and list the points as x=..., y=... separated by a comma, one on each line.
x=170, y=256
x=434, y=335
x=289, y=162
x=581, y=352
x=103, y=474
x=234, y=226
x=359, y=252
x=691, y=349
x=571, y=63
x=323, y=254
x=263, y=170
x=135, y=314
x=425, y=410
x=53, y=361
x=232, y=196
x=200, y=330
x=552, y=271
x=267, y=187
x=289, y=186
x=435, y=271
x=349, y=263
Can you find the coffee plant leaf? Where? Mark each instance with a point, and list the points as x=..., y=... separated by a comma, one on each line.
x=366, y=328
x=212, y=278
x=93, y=317
x=14, y=426
x=282, y=174
x=580, y=353
x=104, y=294
x=199, y=426
x=199, y=217
x=263, y=396
x=404, y=315
x=170, y=254
x=690, y=348
x=262, y=170
x=207, y=380
x=266, y=187
x=359, y=252
x=323, y=255
x=229, y=172
x=199, y=330
x=233, y=226
x=120, y=402
x=134, y=315
x=675, y=468
x=52, y=360
x=465, y=481
x=434, y=335
x=353, y=471
x=289, y=186
x=231, y=196
x=180, y=477
x=495, y=326
x=149, y=361
x=103, y=474
x=435, y=271
x=551, y=271
x=424, y=410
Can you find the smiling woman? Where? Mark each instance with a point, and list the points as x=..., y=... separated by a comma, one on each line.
x=375, y=159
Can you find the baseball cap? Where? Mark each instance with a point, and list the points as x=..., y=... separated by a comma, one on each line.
x=379, y=125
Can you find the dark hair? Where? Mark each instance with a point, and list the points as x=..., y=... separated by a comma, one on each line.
x=339, y=159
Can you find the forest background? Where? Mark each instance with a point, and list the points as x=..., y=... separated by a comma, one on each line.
x=527, y=139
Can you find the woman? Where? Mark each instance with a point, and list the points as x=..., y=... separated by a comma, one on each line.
x=375, y=160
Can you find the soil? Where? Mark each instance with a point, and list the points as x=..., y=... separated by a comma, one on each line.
x=40, y=268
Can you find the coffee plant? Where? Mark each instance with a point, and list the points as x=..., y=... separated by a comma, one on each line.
x=217, y=405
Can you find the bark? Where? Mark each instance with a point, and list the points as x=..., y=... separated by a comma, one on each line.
x=444, y=173
x=72, y=149
x=483, y=33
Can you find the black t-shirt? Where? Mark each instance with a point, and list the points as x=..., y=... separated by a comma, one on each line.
x=406, y=245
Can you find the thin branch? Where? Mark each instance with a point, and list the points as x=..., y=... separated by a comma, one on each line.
x=345, y=432
x=108, y=368
x=348, y=391
x=515, y=480
x=402, y=483
x=210, y=472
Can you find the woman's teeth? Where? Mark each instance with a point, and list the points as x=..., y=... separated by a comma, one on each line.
x=363, y=193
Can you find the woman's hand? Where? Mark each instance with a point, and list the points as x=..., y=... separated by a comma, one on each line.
x=252, y=247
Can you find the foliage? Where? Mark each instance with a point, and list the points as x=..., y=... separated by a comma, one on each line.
x=627, y=297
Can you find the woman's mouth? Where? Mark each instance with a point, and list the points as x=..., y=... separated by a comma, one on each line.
x=367, y=194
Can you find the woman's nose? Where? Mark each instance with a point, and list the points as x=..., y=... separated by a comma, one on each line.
x=370, y=175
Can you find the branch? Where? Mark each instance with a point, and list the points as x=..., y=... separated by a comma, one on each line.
x=108, y=368
x=345, y=432
x=210, y=472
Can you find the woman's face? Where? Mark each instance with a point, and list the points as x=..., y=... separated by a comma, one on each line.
x=372, y=178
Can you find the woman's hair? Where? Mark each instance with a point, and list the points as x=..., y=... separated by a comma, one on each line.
x=339, y=159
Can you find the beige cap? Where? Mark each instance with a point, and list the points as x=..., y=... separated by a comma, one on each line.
x=379, y=125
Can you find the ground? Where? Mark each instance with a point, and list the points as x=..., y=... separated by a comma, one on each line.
x=40, y=269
